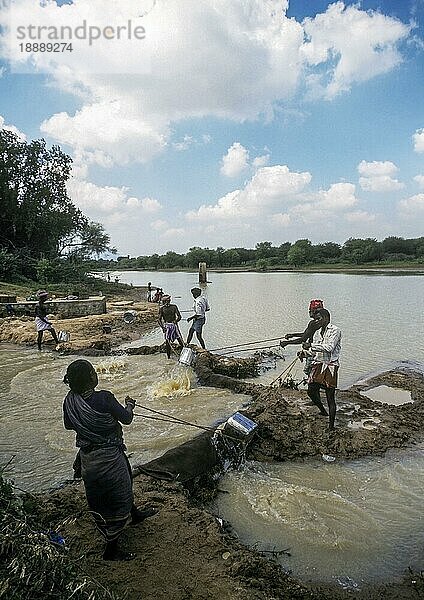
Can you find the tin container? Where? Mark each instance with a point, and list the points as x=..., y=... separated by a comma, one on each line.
x=63, y=336
x=130, y=316
x=187, y=357
x=242, y=424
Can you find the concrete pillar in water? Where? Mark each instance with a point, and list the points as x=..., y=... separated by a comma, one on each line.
x=202, y=273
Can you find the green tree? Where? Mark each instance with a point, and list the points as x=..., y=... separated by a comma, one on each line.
x=38, y=219
x=300, y=253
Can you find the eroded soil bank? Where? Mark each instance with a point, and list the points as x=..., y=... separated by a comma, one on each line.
x=184, y=552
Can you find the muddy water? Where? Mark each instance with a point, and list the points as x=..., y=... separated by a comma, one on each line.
x=344, y=522
x=380, y=315
x=31, y=398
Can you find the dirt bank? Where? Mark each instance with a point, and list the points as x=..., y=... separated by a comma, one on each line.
x=88, y=332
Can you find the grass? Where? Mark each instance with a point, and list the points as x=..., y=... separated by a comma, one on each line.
x=32, y=567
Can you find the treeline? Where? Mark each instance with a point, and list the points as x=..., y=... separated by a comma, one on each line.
x=43, y=235
x=301, y=253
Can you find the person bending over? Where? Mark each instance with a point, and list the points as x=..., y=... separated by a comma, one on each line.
x=96, y=417
x=169, y=316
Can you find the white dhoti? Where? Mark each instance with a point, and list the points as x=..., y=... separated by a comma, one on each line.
x=42, y=325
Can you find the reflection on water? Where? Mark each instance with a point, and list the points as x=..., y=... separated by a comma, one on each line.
x=31, y=410
x=389, y=395
x=360, y=520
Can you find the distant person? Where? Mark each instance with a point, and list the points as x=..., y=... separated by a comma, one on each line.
x=108, y=277
x=326, y=348
x=41, y=321
x=96, y=417
x=312, y=327
x=200, y=307
x=10, y=311
x=169, y=317
x=116, y=279
x=158, y=295
x=149, y=291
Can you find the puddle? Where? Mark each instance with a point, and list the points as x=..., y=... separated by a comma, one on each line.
x=389, y=395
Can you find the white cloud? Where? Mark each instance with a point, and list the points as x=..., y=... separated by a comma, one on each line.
x=377, y=176
x=269, y=187
x=159, y=225
x=100, y=202
x=235, y=161
x=420, y=180
x=12, y=128
x=107, y=133
x=281, y=219
x=350, y=45
x=249, y=57
x=380, y=184
x=260, y=161
x=377, y=168
x=150, y=205
x=413, y=205
x=418, y=139
x=360, y=216
x=338, y=196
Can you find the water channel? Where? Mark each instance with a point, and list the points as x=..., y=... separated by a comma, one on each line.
x=358, y=520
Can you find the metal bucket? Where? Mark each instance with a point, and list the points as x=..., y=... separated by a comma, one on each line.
x=187, y=357
x=130, y=316
x=63, y=336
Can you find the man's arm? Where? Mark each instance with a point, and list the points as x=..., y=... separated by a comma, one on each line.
x=312, y=327
x=177, y=315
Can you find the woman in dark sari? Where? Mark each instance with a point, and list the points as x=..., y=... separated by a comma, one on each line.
x=101, y=460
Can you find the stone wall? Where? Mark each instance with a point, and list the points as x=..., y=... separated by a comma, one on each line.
x=63, y=309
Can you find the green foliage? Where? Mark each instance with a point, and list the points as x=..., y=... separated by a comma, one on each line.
x=38, y=221
x=31, y=566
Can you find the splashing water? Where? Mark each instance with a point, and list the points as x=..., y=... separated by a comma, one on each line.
x=111, y=367
x=177, y=384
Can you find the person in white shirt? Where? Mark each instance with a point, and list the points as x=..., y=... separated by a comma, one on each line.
x=200, y=307
x=326, y=347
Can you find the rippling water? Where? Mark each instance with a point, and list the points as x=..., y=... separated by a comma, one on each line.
x=346, y=522
x=380, y=315
x=31, y=410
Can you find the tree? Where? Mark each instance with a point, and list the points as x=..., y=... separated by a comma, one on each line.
x=38, y=219
x=361, y=251
x=264, y=250
x=300, y=253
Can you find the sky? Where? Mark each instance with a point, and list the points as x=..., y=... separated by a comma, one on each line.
x=225, y=122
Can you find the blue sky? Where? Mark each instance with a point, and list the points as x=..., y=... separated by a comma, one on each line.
x=233, y=121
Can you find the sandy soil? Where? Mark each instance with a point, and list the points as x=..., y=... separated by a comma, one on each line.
x=184, y=552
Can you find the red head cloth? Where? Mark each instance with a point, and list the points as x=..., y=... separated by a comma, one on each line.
x=315, y=304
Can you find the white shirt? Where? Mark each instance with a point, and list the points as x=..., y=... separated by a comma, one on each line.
x=200, y=306
x=327, y=347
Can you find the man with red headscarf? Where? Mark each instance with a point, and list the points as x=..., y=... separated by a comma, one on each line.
x=312, y=327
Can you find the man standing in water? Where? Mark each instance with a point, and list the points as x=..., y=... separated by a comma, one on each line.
x=200, y=307
x=169, y=316
x=326, y=347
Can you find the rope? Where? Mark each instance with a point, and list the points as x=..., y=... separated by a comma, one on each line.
x=287, y=370
x=250, y=349
x=172, y=419
x=247, y=344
